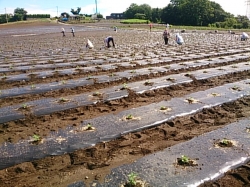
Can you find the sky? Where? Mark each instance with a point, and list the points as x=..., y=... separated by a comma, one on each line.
x=104, y=7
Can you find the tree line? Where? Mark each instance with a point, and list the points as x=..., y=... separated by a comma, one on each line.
x=20, y=14
x=188, y=12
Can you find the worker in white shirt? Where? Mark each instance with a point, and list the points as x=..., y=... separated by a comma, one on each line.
x=179, y=40
x=244, y=36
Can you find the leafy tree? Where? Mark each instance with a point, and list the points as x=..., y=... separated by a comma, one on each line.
x=76, y=12
x=131, y=11
x=99, y=16
x=156, y=15
x=135, y=9
x=140, y=16
x=19, y=14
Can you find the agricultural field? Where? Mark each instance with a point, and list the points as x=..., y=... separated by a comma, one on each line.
x=141, y=114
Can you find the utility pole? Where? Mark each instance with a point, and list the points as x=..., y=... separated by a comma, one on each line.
x=57, y=11
x=6, y=16
x=248, y=9
x=96, y=7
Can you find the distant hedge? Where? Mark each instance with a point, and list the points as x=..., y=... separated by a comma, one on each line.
x=134, y=21
x=38, y=16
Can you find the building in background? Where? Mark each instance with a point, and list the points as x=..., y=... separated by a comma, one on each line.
x=115, y=16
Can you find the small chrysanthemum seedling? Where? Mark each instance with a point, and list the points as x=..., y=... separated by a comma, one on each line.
x=205, y=71
x=89, y=127
x=171, y=79
x=164, y=108
x=148, y=83
x=234, y=66
x=64, y=82
x=4, y=76
x=186, y=161
x=191, y=100
x=24, y=106
x=124, y=86
x=215, y=94
x=32, y=86
x=63, y=100
x=225, y=143
x=167, y=67
x=89, y=77
x=96, y=94
x=188, y=74
x=236, y=88
x=133, y=71
x=112, y=75
x=248, y=129
x=220, y=69
x=36, y=138
x=132, y=179
x=130, y=116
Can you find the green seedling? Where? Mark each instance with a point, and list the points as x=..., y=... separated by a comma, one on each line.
x=188, y=74
x=24, y=106
x=63, y=82
x=191, y=100
x=167, y=67
x=89, y=127
x=225, y=141
x=62, y=99
x=32, y=86
x=132, y=179
x=148, y=83
x=205, y=71
x=112, y=75
x=234, y=66
x=124, y=86
x=170, y=79
x=36, y=138
x=130, y=116
x=185, y=159
x=4, y=76
x=164, y=108
x=89, y=77
x=215, y=94
x=96, y=94
x=133, y=71
x=237, y=88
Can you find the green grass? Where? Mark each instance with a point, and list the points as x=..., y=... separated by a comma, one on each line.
x=134, y=21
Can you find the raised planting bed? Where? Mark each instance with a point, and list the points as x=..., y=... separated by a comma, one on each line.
x=122, y=123
x=209, y=162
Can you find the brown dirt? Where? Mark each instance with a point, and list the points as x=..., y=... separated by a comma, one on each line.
x=94, y=163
